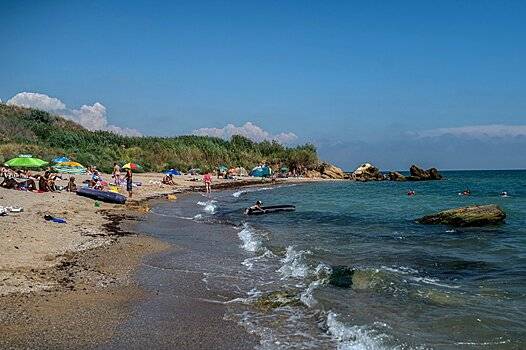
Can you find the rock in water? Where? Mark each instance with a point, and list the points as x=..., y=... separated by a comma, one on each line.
x=396, y=176
x=341, y=276
x=277, y=299
x=478, y=215
x=367, y=172
x=419, y=174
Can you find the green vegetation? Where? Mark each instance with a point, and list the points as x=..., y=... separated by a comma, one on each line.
x=24, y=130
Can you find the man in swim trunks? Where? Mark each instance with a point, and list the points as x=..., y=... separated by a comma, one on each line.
x=129, y=182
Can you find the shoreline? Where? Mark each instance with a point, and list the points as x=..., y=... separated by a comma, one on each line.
x=66, y=281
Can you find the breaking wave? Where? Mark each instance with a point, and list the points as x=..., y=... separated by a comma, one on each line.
x=209, y=206
x=352, y=337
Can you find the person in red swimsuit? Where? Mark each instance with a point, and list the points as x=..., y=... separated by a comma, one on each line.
x=207, y=178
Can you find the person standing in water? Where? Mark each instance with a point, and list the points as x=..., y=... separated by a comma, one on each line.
x=207, y=178
x=129, y=182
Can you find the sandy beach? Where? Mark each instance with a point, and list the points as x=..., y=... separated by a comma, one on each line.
x=71, y=284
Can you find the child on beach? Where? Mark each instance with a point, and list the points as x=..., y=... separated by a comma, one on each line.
x=207, y=178
x=129, y=182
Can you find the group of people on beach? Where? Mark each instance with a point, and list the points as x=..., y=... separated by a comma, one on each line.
x=24, y=180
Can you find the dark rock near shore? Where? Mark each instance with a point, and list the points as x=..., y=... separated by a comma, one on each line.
x=341, y=276
x=277, y=299
x=478, y=215
x=367, y=172
x=419, y=174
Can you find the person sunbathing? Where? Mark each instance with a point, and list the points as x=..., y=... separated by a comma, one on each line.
x=9, y=183
x=168, y=180
x=28, y=185
x=43, y=183
x=72, y=187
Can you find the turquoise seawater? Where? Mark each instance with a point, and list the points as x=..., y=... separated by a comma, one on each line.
x=413, y=287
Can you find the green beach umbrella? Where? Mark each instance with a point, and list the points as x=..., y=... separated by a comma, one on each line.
x=223, y=168
x=25, y=161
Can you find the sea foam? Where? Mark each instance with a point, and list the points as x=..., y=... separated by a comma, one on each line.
x=351, y=337
x=208, y=206
x=294, y=264
x=252, y=242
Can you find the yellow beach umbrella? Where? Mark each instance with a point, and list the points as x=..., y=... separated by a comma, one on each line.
x=70, y=164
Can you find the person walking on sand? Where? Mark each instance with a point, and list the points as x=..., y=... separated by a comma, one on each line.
x=129, y=182
x=207, y=178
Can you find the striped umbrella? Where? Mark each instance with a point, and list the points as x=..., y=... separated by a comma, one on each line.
x=76, y=170
x=69, y=163
x=61, y=159
x=70, y=168
x=132, y=166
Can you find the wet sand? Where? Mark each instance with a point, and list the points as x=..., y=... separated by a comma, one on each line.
x=182, y=311
x=95, y=292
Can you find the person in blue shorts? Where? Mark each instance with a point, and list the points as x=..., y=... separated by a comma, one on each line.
x=129, y=182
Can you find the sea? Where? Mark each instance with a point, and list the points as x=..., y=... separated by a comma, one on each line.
x=411, y=286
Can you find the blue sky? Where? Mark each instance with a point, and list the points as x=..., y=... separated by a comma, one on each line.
x=433, y=82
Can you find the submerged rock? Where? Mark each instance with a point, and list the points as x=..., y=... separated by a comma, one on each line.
x=341, y=276
x=478, y=215
x=279, y=298
x=367, y=172
x=419, y=174
x=368, y=279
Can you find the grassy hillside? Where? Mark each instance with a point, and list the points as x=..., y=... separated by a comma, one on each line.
x=46, y=136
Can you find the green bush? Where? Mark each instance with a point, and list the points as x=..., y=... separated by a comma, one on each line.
x=24, y=130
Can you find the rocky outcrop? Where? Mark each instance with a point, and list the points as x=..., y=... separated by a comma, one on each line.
x=312, y=174
x=478, y=215
x=396, y=176
x=367, y=172
x=329, y=171
x=419, y=174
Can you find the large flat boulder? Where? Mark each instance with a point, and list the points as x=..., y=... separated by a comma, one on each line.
x=477, y=215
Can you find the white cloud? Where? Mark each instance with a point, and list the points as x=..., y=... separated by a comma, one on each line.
x=476, y=131
x=36, y=100
x=249, y=130
x=91, y=117
x=94, y=118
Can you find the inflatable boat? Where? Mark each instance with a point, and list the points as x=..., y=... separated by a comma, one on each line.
x=103, y=196
x=270, y=209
